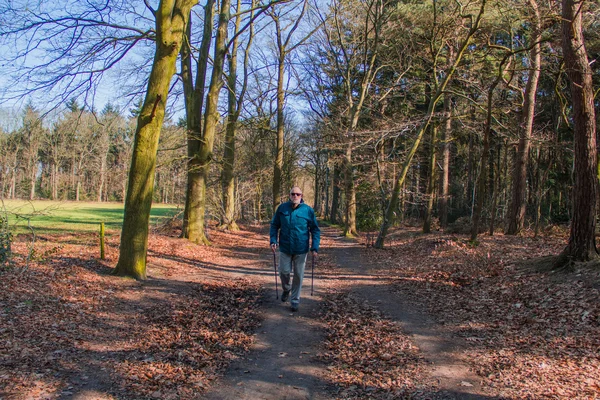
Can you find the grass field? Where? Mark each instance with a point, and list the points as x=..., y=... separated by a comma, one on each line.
x=52, y=216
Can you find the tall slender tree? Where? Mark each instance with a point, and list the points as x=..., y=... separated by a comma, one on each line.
x=194, y=92
x=234, y=107
x=445, y=162
x=204, y=154
x=284, y=47
x=516, y=216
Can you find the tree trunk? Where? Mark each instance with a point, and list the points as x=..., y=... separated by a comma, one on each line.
x=258, y=203
x=582, y=244
x=53, y=181
x=211, y=120
x=495, y=189
x=326, y=205
x=233, y=113
x=78, y=177
x=317, y=183
x=73, y=178
x=350, y=192
x=445, y=172
x=540, y=178
x=194, y=102
x=102, y=178
x=481, y=181
x=516, y=216
x=335, y=196
x=13, y=184
x=279, y=141
x=171, y=17
x=430, y=190
x=470, y=186
x=32, y=188
x=227, y=181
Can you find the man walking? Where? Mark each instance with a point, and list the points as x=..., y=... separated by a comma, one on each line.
x=294, y=224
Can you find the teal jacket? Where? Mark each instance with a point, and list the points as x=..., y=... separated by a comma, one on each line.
x=295, y=227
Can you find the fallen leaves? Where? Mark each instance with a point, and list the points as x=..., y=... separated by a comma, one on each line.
x=529, y=334
x=66, y=324
x=65, y=318
x=369, y=355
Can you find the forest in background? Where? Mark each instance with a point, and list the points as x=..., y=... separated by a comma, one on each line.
x=82, y=156
x=435, y=111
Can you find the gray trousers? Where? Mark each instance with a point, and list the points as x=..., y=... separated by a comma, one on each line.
x=285, y=269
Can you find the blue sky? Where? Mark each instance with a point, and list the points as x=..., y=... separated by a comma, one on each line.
x=45, y=52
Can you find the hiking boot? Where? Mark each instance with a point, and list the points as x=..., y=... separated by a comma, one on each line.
x=294, y=307
x=285, y=295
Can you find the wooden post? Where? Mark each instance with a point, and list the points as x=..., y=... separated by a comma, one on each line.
x=102, y=256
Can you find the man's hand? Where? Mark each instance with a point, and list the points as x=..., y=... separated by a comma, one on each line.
x=273, y=247
x=314, y=253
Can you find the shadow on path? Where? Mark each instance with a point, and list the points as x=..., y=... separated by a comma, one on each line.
x=455, y=379
x=283, y=363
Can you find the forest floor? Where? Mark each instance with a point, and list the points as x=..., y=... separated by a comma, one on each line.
x=429, y=317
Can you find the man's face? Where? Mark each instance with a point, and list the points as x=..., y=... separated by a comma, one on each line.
x=296, y=195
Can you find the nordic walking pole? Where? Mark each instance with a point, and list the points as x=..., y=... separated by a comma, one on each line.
x=275, y=267
x=312, y=280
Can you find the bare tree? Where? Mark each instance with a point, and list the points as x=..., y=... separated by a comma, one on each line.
x=193, y=218
x=430, y=191
x=201, y=146
x=234, y=107
x=283, y=47
x=204, y=153
x=65, y=49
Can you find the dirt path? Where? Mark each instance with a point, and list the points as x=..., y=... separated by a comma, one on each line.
x=444, y=352
x=283, y=365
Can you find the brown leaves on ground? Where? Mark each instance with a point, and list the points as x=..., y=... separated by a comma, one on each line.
x=369, y=356
x=529, y=334
x=66, y=325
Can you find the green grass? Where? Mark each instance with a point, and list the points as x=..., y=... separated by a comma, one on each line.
x=54, y=216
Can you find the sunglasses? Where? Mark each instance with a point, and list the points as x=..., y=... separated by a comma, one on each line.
x=295, y=194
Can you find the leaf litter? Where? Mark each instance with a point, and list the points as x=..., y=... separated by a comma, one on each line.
x=530, y=333
x=368, y=355
x=66, y=324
